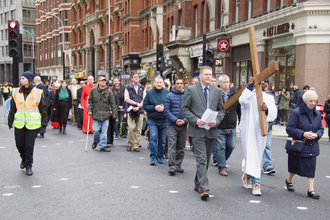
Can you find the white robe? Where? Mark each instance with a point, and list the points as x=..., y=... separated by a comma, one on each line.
x=253, y=143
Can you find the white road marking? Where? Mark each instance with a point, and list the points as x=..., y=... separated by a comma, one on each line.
x=64, y=178
x=36, y=186
x=254, y=201
x=8, y=194
x=327, y=177
x=173, y=191
x=82, y=140
x=134, y=187
x=43, y=146
x=141, y=158
x=211, y=196
x=227, y=165
x=58, y=144
x=2, y=147
x=71, y=142
x=99, y=183
x=302, y=208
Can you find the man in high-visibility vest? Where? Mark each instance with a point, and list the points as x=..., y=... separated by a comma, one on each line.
x=28, y=113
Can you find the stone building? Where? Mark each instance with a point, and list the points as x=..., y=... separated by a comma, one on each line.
x=23, y=12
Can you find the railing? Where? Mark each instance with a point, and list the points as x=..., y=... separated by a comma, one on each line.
x=126, y=16
x=29, y=20
x=147, y=9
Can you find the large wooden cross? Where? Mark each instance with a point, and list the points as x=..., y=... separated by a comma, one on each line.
x=258, y=78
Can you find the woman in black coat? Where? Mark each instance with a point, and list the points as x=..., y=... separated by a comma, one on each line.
x=327, y=116
x=62, y=105
x=305, y=125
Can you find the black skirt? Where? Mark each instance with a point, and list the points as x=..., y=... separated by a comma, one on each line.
x=303, y=166
x=63, y=111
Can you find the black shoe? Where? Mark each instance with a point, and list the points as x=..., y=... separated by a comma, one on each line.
x=269, y=171
x=313, y=195
x=179, y=170
x=94, y=145
x=64, y=132
x=29, y=171
x=289, y=186
x=42, y=136
x=215, y=163
x=171, y=172
x=60, y=131
x=105, y=149
x=22, y=165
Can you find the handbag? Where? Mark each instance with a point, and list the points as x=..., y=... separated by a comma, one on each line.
x=295, y=145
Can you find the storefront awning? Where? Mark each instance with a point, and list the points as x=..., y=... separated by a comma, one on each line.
x=165, y=73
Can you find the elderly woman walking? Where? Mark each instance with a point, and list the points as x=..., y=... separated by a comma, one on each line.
x=304, y=126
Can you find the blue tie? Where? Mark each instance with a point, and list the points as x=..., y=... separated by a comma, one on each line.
x=205, y=94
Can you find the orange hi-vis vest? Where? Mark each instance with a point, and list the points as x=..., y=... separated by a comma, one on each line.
x=27, y=114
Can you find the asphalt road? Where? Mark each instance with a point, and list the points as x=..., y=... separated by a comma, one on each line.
x=69, y=183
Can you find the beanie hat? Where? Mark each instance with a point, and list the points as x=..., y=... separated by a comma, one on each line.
x=28, y=75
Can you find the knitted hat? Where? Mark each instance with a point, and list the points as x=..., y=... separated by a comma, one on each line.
x=28, y=75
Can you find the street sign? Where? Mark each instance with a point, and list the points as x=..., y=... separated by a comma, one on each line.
x=223, y=45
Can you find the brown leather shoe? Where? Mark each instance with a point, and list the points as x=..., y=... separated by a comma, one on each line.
x=128, y=148
x=223, y=173
x=136, y=150
x=197, y=189
x=205, y=195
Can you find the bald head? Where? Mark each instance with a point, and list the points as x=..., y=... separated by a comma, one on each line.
x=37, y=80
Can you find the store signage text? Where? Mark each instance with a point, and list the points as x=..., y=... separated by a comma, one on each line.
x=277, y=30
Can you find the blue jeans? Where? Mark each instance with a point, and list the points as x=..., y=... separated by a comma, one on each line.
x=157, y=140
x=224, y=146
x=268, y=152
x=103, y=127
x=253, y=179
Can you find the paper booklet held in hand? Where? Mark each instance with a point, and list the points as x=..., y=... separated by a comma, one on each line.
x=208, y=116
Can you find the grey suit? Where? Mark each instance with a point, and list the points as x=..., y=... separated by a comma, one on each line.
x=193, y=107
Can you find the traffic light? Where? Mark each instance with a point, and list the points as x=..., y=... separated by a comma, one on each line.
x=13, y=38
x=209, y=57
x=160, y=57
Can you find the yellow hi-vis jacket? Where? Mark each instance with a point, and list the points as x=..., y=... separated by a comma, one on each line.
x=27, y=114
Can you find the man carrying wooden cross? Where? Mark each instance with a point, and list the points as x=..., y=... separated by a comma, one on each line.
x=257, y=108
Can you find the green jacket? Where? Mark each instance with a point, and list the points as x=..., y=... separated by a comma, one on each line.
x=284, y=101
x=99, y=102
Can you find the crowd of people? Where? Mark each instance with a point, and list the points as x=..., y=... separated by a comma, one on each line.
x=109, y=110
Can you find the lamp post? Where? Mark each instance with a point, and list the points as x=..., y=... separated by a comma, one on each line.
x=109, y=40
x=63, y=54
x=33, y=60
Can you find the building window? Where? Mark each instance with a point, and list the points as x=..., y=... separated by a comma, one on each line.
x=59, y=54
x=242, y=73
x=282, y=50
x=269, y=5
x=180, y=17
x=196, y=21
x=250, y=12
x=66, y=37
x=66, y=18
x=237, y=11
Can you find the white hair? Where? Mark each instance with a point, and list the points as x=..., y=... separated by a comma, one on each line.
x=37, y=79
x=223, y=77
x=91, y=77
x=309, y=93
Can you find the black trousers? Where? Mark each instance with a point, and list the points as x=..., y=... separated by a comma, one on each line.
x=80, y=117
x=25, y=144
x=111, y=129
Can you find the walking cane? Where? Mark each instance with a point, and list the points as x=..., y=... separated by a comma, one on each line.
x=87, y=133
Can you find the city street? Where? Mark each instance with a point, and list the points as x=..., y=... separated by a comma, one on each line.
x=69, y=183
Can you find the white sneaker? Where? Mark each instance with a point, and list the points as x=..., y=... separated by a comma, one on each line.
x=246, y=181
x=256, y=190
